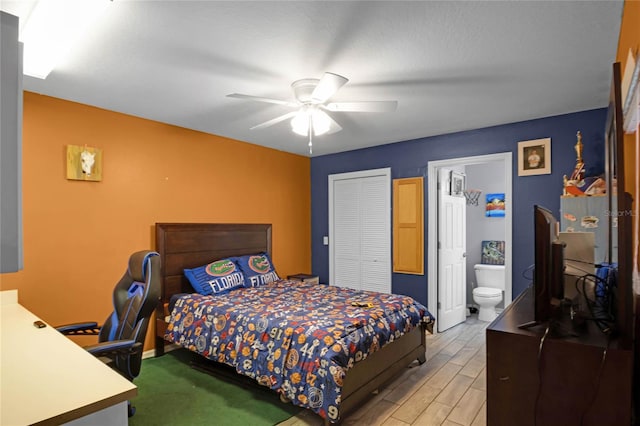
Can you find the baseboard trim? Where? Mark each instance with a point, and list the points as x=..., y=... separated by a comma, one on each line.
x=151, y=353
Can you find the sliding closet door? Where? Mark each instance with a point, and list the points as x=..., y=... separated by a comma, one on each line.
x=345, y=261
x=360, y=230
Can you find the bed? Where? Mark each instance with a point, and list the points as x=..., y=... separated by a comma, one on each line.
x=187, y=245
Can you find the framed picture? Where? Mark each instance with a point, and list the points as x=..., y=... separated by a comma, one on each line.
x=492, y=253
x=457, y=184
x=534, y=157
x=84, y=163
x=495, y=205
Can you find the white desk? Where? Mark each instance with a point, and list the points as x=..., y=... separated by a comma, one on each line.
x=45, y=378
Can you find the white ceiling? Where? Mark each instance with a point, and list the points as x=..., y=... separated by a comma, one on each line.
x=452, y=66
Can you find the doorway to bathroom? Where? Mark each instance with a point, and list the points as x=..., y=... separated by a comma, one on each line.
x=490, y=174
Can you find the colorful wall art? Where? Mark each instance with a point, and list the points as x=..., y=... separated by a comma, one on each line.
x=493, y=252
x=495, y=205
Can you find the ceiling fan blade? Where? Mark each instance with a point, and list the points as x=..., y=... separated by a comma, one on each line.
x=261, y=99
x=274, y=120
x=335, y=127
x=365, y=106
x=327, y=87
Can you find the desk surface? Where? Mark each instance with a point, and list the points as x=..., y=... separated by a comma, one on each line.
x=46, y=377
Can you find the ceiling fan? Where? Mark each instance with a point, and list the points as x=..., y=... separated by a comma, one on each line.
x=312, y=100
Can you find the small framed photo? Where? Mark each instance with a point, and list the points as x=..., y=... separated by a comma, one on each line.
x=84, y=163
x=495, y=206
x=457, y=184
x=534, y=157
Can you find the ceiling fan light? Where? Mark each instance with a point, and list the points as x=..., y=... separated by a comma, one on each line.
x=300, y=123
x=321, y=122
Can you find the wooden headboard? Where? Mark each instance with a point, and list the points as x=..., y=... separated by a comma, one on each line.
x=189, y=245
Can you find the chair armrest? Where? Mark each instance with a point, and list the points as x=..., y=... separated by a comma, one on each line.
x=115, y=347
x=81, y=328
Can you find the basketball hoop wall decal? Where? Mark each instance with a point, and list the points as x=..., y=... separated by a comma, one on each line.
x=472, y=196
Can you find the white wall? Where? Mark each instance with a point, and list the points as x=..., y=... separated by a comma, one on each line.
x=488, y=178
x=11, y=259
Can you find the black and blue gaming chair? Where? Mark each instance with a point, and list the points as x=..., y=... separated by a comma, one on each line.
x=121, y=337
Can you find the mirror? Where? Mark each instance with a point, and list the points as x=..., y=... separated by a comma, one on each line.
x=619, y=223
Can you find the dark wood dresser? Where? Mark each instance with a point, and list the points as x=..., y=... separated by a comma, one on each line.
x=583, y=378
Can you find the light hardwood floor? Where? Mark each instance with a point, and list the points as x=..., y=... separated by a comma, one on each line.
x=449, y=389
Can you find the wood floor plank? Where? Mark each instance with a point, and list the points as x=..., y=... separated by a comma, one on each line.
x=418, y=402
x=452, y=348
x=391, y=421
x=463, y=356
x=481, y=380
x=444, y=375
x=375, y=413
x=481, y=417
x=434, y=415
x=468, y=407
x=456, y=388
x=473, y=367
x=367, y=406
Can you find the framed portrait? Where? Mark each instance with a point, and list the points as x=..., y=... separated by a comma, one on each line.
x=534, y=157
x=457, y=184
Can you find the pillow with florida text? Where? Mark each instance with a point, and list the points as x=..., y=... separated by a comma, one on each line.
x=217, y=277
x=257, y=269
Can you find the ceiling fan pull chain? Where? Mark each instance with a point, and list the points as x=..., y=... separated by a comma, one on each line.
x=310, y=136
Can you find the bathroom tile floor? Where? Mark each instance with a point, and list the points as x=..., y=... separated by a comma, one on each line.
x=449, y=389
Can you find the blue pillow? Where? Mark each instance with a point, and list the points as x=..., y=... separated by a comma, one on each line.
x=217, y=277
x=257, y=269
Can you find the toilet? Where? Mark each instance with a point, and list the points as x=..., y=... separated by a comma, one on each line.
x=488, y=293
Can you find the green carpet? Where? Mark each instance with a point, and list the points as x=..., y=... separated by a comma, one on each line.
x=171, y=392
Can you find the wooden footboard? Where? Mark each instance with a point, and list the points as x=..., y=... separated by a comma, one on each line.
x=161, y=327
x=368, y=375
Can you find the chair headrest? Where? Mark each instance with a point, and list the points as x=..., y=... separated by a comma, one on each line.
x=138, y=264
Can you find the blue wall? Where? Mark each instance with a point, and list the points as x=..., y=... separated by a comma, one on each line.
x=410, y=158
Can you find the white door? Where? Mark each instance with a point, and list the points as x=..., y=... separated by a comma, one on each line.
x=452, y=275
x=360, y=230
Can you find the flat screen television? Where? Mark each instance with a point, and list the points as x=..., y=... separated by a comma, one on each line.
x=548, y=277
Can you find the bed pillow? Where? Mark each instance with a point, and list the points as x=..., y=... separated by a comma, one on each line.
x=257, y=269
x=217, y=277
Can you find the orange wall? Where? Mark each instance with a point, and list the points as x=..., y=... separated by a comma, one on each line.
x=78, y=235
x=630, y=39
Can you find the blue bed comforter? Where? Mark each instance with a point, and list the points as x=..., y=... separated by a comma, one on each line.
x=296, y=338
